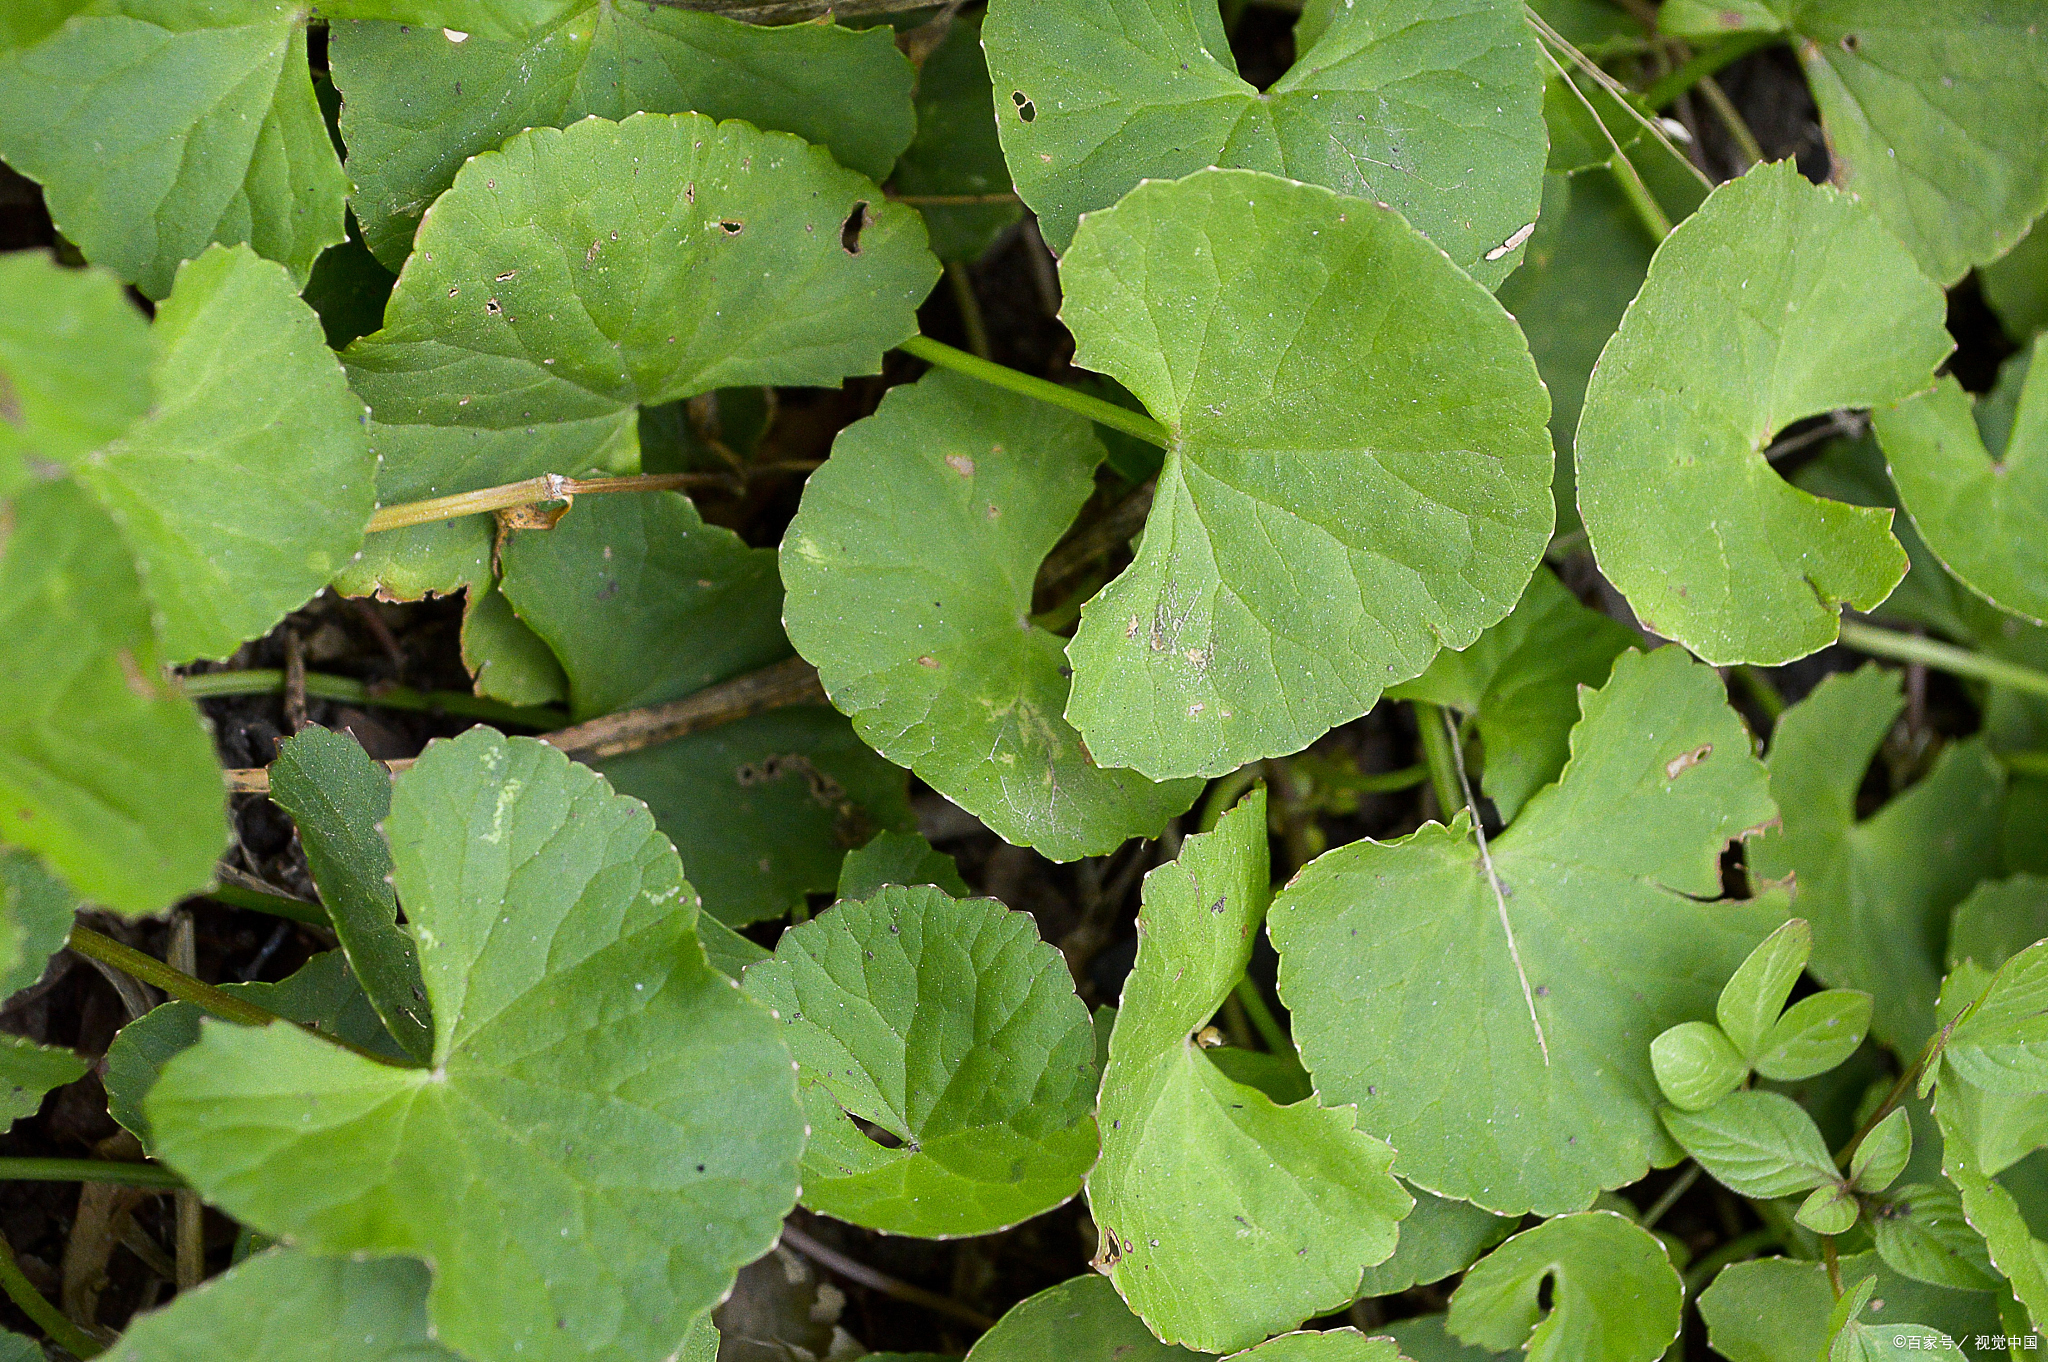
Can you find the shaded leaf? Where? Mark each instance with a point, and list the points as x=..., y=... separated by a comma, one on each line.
x=1775, y=301
x=1990, y=1209
x=607, y=1131
x=1406, y=998
x=1080, y=1318
x=1982, y=509
x=1425, y=1339
x=1614, y=1296
x=1522, y=679
x=28, y=1072
x=1921, y=1233
x=1391, y=103
x=35, y=919
x=956, y=151
x=898, y=858
x=1373, y=425
x=928, y=526
x=2016, y=287
x=338, y=798
x=1998, y=920
x=1223, y=1217
x=409, y=127
x=1761, y=1144
x=157, y=127
x=496, y=18
x=509, y=661
x=1776, y=1309
x=286, y=1305
x=106, y=772
x=323, y=994
x=1439, y=1237
x=2004, y=1123
x=950, y=1025
x=74, y=364
x=1877, y=891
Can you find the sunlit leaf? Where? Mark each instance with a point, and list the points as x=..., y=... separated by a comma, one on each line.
x=1439, y=1237
x=1334, y=1345
x=1079, y=1318
x=74, y=364
x=1775, y=301
x=1407, y=997
x=1760, y=1144
x=1371, y=424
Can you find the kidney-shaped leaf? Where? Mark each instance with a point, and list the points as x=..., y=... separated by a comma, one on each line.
x=409, y=127
x=1223, y=1217
x=608, y=1129
x=1777, y=300
x=1332, y=1345
x=1984, y=513
x=106, y=772
x=159, y=126
x=950, y=1025
x=1079, y=1318
x=1614, y=1295
x=1359, y=471
x=577, y=273
x=1410, y=1000
x=1432, y=108
x=910, y=567
x=74, y=363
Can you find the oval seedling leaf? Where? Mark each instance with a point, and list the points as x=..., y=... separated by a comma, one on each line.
x=1391, y=103
x=1369, y=421
x=157, y=127
x=409, y=127
x=608, y=1129
x=1755, y=994
x=1406, y=995
x=1777, y=300
x=1816, y=1033
x=1304, y=1195
x=36, y=911
x=1614, y=1296
x=950, y=1026
x=910, y=568
x=1696, y=1065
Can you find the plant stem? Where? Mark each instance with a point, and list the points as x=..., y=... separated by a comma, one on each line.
x=47, y=1317
x=881, y=1281
x=2025, y=763
x=1734, y=1251
x=1094, y=408
x=528, y=492
x=1436, y=751
x=1263, y=1021
x=298, y=910
x=1827, y=1255
x=1226, y=792
x=349, y=691
x=1663, y=1204
x=953, y=200
x=154, y=1176
x=969, y=307
x=1664, y=92
x=1946, y=657
x=1731, y=121
x=789, y=682
x=1760, y=690
x=185, y=988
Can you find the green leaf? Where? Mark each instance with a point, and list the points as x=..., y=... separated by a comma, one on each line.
x=2016, y=286
x=1777, y=300
x=1614, y=1295
x=1828, y=1210
x=1776, y=1309
x=1815, y=1034
x=159, y=126
x=1080, y=1318
x=490, y=18
x=1373, y=424
x=549, y=296
x=35, y=918
x=1425, y=1339
x=910, y=567
x=1998, y=920
x=1334, y=1345
x=1921, y=1233
x=286, y=1305
x=1983, y=512
x=898, y=858
x=1696, y=1065
x=74, y=364
x=1392, y=103
x=27, y=1073
x=1522, y=679
x=106, y=772
x=1439, y=1237
x=1717, y=18
x=956, y=151
x=1579, y=271
x=509, y=661
x=1878, y=891
x=1755, y=994
x=410, y=128
x=950, y=1025
x=2002, y=1046
x=1990, y=1209
x=246, y=486
x=338, y=798
x=1421, y=1018
x=608, y=1129
x=2004, y=1124
x=1928, y=107
x=1185, y=1149
x=323, y=994
x=1761, y=1144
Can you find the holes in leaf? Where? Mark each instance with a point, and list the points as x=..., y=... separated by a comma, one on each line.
x=1026, y=110
x=885, y=1138
x=732, y=228
x=850, y=230
x=1851, y=42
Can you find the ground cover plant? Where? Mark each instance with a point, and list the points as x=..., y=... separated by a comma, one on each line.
x=1042, y=679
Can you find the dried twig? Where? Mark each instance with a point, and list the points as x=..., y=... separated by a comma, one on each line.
x=881, y=1281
